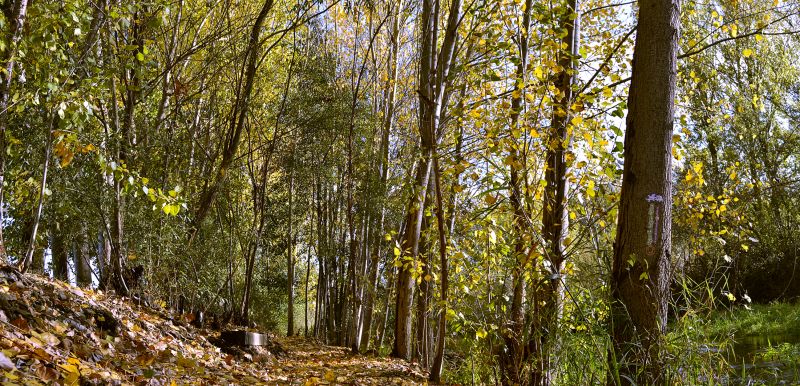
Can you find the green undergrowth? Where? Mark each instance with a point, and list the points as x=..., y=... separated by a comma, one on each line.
x=776, y=319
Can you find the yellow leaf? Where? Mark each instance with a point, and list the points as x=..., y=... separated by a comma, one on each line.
x=313, y=381
x=481, y=333
x=747, y=52
x=588, y=138
x=330, y=376
x=70, y=368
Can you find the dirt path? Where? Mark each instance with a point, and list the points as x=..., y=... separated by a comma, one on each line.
x=309, y=363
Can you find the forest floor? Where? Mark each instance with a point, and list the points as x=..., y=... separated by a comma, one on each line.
x=55, y=333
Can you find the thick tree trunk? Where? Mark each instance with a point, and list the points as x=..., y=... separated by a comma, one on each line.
x=59, y=253
x=82, y=258
x=640, y=272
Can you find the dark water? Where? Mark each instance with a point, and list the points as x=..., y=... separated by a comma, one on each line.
x=756, y=361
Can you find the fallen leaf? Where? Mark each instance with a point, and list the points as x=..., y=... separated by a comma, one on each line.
x=6, y=363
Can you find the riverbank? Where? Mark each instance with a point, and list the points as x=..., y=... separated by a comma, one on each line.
x=776, y=319
x=761, y=342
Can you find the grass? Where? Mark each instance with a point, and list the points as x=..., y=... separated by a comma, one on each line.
x=777, y=319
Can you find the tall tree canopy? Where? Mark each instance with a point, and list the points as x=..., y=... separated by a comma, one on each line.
x=516, y=191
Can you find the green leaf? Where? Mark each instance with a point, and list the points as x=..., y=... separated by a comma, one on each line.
x=171, y=209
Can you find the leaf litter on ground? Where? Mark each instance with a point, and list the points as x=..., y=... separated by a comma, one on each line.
x=55, y=333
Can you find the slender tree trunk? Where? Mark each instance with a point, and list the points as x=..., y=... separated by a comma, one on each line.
x=238, y=119
x=24, y=263
x=438, y=361
x=381, y=332
x=388, y=123
x=433, y=75
x=290, y=262
x=423, y=327
x=555, y=220
x=104, y=260
x=15, y=14
x=410, y=251
x=308, y=273
x=512, y=358
x=640, y=272
x=309, y=243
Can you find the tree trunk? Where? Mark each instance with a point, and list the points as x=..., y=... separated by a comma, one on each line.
x=423, y=328
x=554, y=212
x=82, y=257
x=388, y=124
x=640, y=271
x=238, y=118
x=433, y=74
x=37, y=215
x=308, y=273
x=15, y=13
x=290, y=263
x=410, y=251
x=59, y=253
x=104, y=259
x=438, y=361
x=512, y=358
